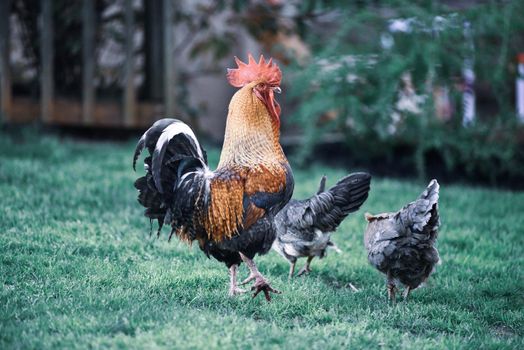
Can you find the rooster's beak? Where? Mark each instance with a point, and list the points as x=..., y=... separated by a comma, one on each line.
x=277, y=89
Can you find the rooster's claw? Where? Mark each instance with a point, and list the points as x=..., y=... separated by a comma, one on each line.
x=266, y=288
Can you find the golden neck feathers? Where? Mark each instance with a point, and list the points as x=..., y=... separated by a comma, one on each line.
x=252, y=135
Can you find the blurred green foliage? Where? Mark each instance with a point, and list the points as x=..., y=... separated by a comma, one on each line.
x=349, y=81
x=355, y=75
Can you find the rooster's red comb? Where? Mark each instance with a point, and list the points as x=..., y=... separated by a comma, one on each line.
x=246, y=73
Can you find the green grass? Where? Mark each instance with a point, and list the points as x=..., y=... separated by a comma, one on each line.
x=78, y=269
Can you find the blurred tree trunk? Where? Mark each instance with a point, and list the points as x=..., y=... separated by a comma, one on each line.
x=154, y=50
x=169, y=64
x=47, y=59
x=5, y=74
x=129, y=64
x=88, y=72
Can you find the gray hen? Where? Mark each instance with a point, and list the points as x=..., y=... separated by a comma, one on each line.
x=304, y=227
x=402, y=244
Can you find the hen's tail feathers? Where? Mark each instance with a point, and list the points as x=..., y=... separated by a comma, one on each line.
x=322, y=185
x=349, y=193
x=422, y=213
x=174, y=153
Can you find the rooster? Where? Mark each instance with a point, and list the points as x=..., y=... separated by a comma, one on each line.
x=402, y=244
x=304, y=227
x=231, y=211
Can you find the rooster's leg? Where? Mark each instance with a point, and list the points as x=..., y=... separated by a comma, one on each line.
x=233, y=287
x=306, y=269
x=249, y=278
x=261, y=284
x=391, y=288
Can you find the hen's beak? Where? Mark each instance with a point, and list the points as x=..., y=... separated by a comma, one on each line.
x=277, y=89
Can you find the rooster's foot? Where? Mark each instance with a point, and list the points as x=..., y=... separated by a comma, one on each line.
x=235, y=290
x=233, y=287
x=261, y=285
x=251, y=277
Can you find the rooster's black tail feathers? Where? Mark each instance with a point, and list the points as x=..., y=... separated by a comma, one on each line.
x=174, y=154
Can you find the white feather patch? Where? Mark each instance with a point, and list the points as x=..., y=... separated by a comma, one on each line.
x=174, y=129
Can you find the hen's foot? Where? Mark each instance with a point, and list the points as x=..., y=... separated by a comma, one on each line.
x=392, y=289
x=291, y=270
x=261, y=285
x=304, y=271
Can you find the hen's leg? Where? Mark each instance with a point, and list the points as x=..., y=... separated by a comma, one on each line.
x=406, y=292
x=391, y=288
x=292, y=269
x=233, y=287
x=306, y=269
x=261, y=284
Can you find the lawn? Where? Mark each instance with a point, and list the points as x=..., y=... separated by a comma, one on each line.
x=79, y=270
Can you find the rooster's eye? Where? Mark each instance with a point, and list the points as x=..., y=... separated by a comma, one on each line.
x=261, y=86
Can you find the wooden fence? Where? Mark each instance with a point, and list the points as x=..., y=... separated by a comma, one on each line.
x=129, y=112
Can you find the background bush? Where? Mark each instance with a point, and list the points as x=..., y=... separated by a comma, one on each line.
x=345, y=68
x=350, y=86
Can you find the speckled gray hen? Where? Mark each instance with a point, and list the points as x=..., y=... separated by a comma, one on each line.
x=304, y=227
x=402, y=244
